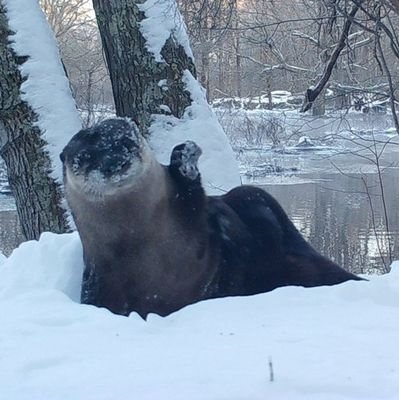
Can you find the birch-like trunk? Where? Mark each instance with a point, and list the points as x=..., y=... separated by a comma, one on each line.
x=37, y=195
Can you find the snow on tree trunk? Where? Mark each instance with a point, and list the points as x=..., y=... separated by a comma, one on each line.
x=35, y=106
x=154, y=82
x=135, y=72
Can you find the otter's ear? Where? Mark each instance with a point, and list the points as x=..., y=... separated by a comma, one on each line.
x=62, y=157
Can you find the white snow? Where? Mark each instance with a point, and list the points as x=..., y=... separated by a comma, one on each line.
x=46, y=89
x=280, y=96
x=3, y=258
x=165, y=109
x=324, y=343
x=218, y=166
x=163, y=83
x=162, y=20
x=305, y=141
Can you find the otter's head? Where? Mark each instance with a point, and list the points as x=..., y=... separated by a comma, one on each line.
x=105, y=157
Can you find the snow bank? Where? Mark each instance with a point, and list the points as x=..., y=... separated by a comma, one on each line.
x=324, y=343
x=218, y=166
x=53, y=263
x=46, y=89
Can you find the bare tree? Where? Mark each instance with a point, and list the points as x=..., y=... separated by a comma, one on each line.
x=290, y=46
x=65, y=16
x=312, y=93
x=84, y=61
x=37, y=195
x=375, y=18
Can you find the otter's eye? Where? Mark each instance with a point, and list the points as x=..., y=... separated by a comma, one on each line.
x=176, y=156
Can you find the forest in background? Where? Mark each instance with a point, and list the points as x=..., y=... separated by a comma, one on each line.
x=248, y=49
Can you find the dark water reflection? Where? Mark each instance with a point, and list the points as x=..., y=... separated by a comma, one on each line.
x=334, y=214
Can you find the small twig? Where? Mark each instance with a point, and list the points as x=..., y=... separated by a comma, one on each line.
x=374, y=224
x=213, y=186
x=271, y=371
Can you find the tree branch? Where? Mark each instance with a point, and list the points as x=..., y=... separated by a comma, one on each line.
x=312, y=93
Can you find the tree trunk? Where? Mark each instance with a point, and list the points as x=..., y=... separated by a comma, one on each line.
x=135, y=73
x=221, y=74
x=204, y=78
x=269, y=90
x=312, y=93
x=37, y=195
x=238, y=67
x=319, y=105
x=237, y=49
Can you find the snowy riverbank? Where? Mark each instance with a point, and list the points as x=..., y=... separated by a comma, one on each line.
x=324, y=343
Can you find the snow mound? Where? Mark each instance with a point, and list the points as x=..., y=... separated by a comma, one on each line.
x=55, y=262
x=218, y=166
x=324, y=343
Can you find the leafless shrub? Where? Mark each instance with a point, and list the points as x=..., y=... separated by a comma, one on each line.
x=262, y=129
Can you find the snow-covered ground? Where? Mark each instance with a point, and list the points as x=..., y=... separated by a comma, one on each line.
x=323, y=343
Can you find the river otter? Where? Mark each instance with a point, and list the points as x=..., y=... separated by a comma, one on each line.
x=154, y=242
